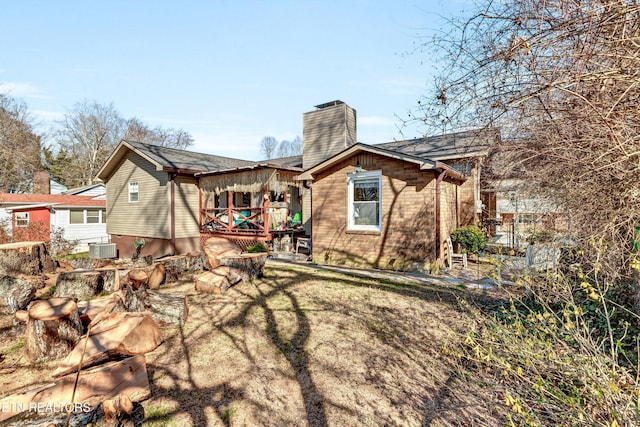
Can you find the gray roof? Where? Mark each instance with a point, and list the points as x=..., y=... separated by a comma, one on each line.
x=449, y=146
x=292, y=161
x=172, y=158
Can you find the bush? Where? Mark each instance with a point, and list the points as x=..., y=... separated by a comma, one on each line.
x=256, y=248
x=471, y=238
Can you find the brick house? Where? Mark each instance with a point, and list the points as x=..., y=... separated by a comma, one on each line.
x=381, y=208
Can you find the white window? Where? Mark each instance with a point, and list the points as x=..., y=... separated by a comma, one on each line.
x=133, y=191
x=365, y=201
x=87, y=216
x=22, y=219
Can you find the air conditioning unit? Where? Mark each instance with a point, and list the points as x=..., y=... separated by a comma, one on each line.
x=102, y=250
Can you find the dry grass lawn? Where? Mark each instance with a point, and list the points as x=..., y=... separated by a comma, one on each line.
x=305, y=346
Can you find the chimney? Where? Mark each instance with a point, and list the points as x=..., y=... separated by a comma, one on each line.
x=41, y=182
x=326, y=131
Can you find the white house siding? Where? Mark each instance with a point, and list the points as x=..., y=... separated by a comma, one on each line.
x=187, y=204
x=149, y=217
x=83, y=233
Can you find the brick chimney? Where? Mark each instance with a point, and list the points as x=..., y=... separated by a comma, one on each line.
x=41, y=183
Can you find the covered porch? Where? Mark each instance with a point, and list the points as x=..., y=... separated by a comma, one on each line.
x=261, y=203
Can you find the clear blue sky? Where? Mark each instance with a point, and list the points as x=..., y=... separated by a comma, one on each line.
x=228, y=72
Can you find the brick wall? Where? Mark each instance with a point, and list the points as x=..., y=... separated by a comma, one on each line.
x=407, y=238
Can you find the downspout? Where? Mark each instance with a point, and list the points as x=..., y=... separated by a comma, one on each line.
x=439, y=179
x=173, y=212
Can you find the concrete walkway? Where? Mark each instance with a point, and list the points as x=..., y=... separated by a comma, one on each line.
x=455, y=277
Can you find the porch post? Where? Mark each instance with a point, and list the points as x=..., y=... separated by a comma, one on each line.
x=229, y=210
x=265, y=213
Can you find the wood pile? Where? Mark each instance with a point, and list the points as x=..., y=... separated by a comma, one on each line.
x=100, y=344
x=30, y=258
x=228, y=266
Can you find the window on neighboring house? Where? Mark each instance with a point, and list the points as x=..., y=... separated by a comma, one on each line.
x=365, y=201
x=93, y=216
x=87, y=216
x=22, y=219
x=133, y=191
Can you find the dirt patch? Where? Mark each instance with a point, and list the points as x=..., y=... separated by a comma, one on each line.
x=303, y=346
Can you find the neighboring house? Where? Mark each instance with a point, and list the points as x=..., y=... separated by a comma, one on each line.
x=415, y=193
x=97, y=191
x=513, y=212
x=34, y=217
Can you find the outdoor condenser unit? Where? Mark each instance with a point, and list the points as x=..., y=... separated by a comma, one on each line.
x=102, y=250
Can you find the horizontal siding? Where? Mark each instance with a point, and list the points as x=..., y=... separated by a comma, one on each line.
x=327, y=131
x=187, y=199
x=407, y=238
x=149, y=217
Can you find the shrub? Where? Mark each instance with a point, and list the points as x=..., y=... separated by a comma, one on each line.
x=471, y=238
x=256, y=248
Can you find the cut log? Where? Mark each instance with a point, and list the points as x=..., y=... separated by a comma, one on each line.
x=163, y=307
x=138, y=278
x=126, y=377
x=53, y=329
x=157, y=276
x=218, y=280
x=109, y=304
x=64, y=266
x=168, y=308
x=84, y=284
x=21, y=316
x=216, y=248
x=113, y=334
x=250, y=266
x=15, y=294
x=31, y=258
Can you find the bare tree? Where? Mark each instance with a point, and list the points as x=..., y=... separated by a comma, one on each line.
x=290, y=148
x=268, y=147
x=19, y=146
x=561, y=79
x=174, y=138
x=89, y=132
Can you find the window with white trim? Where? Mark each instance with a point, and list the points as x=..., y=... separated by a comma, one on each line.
x=22, y=219
x=365, y=201
x=133, y=191
x=87, y=216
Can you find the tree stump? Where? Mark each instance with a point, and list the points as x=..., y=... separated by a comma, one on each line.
x=15, y=294
x=138, y=278
x=216, y=248
x=31, y=258
x=53, y=329
x=250, y=266
x=84, y=284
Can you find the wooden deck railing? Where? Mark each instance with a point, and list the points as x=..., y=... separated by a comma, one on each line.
x=243, y=221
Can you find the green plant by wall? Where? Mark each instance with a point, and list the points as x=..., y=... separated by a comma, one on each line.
x=470, y=237
x=256, y=248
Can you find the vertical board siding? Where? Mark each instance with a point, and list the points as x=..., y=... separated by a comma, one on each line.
x=149, y=217
x=187, y=199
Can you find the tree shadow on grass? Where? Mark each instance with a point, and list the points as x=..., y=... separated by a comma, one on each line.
x=289, y=336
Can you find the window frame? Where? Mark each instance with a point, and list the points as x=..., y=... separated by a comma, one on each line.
x=27, y=219
x=102, y=216
x=134, y=185
x=352, y=178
